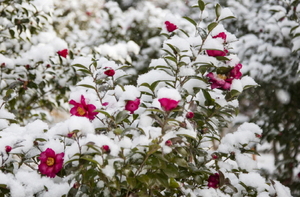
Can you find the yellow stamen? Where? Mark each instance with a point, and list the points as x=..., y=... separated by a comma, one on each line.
x=80, y=111
x=50, y=161
x=220, y=76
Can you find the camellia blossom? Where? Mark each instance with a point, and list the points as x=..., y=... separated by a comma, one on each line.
x=51, y=163
x=215, y=53
x=223, y=81
x=109, y=72
x=83, y=109
x=105, y=149
x=132, y=105
x=63, y=53
x=168, y=143
x=168, y=104
x=219, y=81
x=8, y=149
x=190, y=115
x=213, y=180
x=170, y=26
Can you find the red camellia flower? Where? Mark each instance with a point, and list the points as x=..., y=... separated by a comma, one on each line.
x=221, y=35
x=8, y=149
x=170, y=26
x=168, y=104
x=83, y=109
x=223, y=81
x=51, y=163
x=215, y=53
x=110, y=72
x=63, y=53
x=213, y=180
x=106, y=148
x=189, y=115
x=169, y=143
x=132, y=105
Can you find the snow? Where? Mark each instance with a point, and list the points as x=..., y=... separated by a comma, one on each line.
x=168, y=93
x=283, y=96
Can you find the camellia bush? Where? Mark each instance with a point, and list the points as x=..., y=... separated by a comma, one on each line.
x=269, y=44
x=156, y=136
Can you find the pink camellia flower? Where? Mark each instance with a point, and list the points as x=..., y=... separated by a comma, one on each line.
x=170, y=26
x=235, y=73
x=105, y=149
x=110, y=72
x=51, y=163
x=63, y=53
x=168, y=104
x=213, y=180
x=189, y=115
x=219, y=81
x=132, y=105
x=83, y=109
x=8, y=149
x=223, y=81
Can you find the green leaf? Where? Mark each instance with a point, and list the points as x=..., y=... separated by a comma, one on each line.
x=87, y=86
x=171, y=171
x=171, y=58
x=180, y=162
x=131, y=181
x=12, y=33
x=218, y=10
x=201, y=5
x=211, y=26
x=173, y=183
x=121, y=116
x=208, y=100
x=103, y=112
x=222, y=58
x=190, y=20
x=80, y=66
x=144, y=179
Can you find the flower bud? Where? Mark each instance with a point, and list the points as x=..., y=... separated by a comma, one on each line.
x=8, y=149
x=105, y=149
x=189, y=115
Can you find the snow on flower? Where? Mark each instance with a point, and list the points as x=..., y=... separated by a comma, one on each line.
x=50, y=162
x=168, y=98
x=223, y=52
x=83, y=109
x=168, y=104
